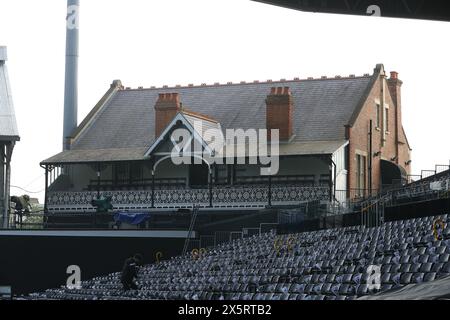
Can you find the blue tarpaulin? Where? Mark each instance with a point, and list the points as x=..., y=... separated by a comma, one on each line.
x=131, y=218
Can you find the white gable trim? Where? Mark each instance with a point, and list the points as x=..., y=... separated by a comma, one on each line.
x=194, y=133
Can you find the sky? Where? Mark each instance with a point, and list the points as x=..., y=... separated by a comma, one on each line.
x=169, y=42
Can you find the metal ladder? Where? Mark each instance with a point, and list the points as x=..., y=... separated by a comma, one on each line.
x=195, y=210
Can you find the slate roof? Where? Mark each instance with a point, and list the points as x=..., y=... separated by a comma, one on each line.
x=97, y=155
x=322, y=108
x=8, y=125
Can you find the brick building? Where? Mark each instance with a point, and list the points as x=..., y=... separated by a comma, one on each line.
x=340, y=138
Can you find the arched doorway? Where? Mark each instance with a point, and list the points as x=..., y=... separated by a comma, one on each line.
x=392, y=174
x=198, y=175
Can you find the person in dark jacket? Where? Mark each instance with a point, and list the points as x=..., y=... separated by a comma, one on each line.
x=139, y=259
x=130, y=272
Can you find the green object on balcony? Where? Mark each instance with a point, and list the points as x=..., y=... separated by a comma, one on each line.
x=102, y=205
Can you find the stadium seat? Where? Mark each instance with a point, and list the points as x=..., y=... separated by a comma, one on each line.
x=328, y=265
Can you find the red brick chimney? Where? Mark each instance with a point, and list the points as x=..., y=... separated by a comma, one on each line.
x=395, y=85
x=280, y=112
x=166, y=108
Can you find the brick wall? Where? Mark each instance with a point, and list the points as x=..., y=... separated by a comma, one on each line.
x=166, y=108
x=395, y=148
x=279, y=112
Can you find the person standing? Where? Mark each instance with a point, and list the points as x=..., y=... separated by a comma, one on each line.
x=130, y=272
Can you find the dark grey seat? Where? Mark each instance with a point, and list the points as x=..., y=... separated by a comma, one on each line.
x=418, y=277
x=347, y=278
x=444, y=257
x=406, y=278
x=405, y=267
x=426, y=267
x=326, y=288
x=343, y=290
x=386, y=287
x=385, y=268
x=415, y=267
x=386, y=278
x=423, y=258
x=430, y=276
x=395, y=278
x=309, y=289
x=437, y=267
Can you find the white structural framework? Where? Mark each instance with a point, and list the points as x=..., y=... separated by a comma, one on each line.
x=9, y=135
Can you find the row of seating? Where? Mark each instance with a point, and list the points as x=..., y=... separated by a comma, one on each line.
x=334, y=264
x=423, y=188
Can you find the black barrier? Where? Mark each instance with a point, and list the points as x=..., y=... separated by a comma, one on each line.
x=30, y=263
x=335, y=221
x=417, y=210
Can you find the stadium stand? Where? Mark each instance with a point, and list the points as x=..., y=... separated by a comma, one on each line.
x=438, y=184
x=329, y=264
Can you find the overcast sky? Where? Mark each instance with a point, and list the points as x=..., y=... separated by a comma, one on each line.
x=169, y=42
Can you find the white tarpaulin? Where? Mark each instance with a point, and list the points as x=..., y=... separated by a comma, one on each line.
x=438, y=289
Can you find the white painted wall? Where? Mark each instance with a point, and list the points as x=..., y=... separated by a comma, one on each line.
x=341, y=174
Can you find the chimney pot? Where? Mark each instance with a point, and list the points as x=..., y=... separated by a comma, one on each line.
x=394, y=75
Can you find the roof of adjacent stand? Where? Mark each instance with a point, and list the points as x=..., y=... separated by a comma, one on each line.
x=8, y=124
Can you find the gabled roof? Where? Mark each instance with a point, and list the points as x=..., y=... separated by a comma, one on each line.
x=379, y=70
x=8, y=124
x=322, y=109
x=197, y=124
